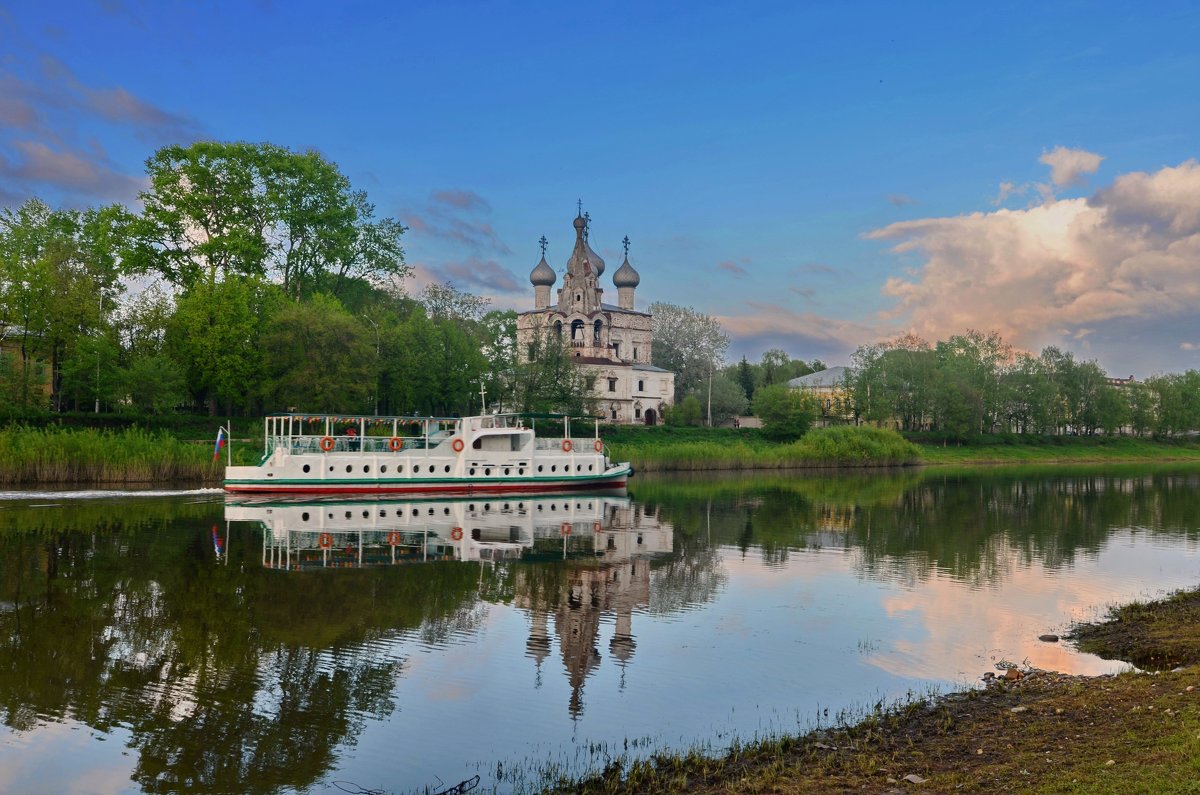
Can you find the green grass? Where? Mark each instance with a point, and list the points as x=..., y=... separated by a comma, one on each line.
x=684, y=449
x=51, y=456
x=1055, y=449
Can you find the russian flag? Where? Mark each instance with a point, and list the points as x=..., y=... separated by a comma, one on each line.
x=220, y=443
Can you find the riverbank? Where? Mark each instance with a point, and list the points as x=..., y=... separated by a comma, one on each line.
x=58, y=456
x=1036, y=732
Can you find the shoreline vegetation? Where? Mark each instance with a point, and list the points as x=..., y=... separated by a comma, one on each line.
x=62, y=455
x=1027, y=731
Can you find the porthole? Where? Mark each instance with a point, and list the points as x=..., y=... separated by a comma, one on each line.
x=472, y=471
x=471, y=507
x=331, y=516
x=383, y=514
x=539, y=467
x=430, y=512
x=521, y=470
x=349, y=467
x=487, y=473
x=366, y=514
x=331, y=468
x=589, y=467
x=415, y=512
x=506, y=470
x=487, y=506
x=540, y=507
x=400, y=470
x=416, y=468
x=383, y=469
x=304, y=516
x=366, y=469
x=447, y=467
x=554, y=467
x=347, y=514
x=307, y=467
x=445, y=512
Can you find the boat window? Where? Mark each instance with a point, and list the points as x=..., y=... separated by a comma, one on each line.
x=506, y=470
x=472, y=470
x=366, y=469
x=366, y=514
x=349, y=467
x=307, y=467
x=539, y=467
x=487, y=473
x=415, y=511
x=330, y=467
x=521, y=470
x=304, y=516
x=347, y=514
x=416, y=468
x=554, y=467
x=383, y=469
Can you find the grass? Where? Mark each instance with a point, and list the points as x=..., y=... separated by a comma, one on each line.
x=716, y=448
x=1047, y=732
x=1056, y=449
x=50, y=456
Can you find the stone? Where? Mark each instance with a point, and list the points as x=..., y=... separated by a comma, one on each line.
x=1019, y=709
x=913, y=778
x=1110, y=763
x=1048, y=638
x=1189, y=688
x=1012, y=675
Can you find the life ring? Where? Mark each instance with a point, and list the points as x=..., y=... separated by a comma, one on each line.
x=456, y=534
x=327, y=443
x=325, y=541
x=457, y=445
x=597, y=527
x=565, y=529
x=566, y=445
x=394, y=539
x=395, y=443
x=598, y=446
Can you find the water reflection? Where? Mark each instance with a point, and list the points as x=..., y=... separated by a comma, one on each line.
x=271, y=646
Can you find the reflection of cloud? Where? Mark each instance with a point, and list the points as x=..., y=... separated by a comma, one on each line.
x=1128, y=251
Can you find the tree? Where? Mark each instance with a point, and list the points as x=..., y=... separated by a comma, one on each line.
x=317, y=357
x=547, y=380
x=686, y=412
x=445, y=302
x=217, y=209
x=786, y=413
x=728, y=399
x=745, y=378
x=689, y=343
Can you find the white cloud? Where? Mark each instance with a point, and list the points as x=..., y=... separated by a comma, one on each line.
x=1127, y=252
x=1069, y=166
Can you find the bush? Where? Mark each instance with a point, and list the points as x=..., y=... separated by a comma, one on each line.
x=786, y=413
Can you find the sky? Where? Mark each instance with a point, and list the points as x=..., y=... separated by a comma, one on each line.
x=818, y=176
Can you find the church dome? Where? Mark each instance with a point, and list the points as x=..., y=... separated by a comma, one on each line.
x=595, y=259
x=543, y=275
x=626, y=276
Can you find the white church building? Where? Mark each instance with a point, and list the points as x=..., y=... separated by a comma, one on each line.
x=612, y=342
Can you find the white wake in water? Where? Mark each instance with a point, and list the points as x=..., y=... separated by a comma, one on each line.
x=105, y=494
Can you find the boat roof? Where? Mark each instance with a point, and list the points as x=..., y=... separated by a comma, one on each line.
x=529, y=415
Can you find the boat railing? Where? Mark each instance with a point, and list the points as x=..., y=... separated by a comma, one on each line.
x=346, y=443
x=578, y=445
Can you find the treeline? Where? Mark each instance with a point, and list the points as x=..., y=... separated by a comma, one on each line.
x=975, y=383
x=253, y=279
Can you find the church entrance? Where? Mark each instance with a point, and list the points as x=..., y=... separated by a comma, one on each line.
x=651, y=417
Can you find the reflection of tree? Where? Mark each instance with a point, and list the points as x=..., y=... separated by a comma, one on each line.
x=904, y=526
x=229, y=678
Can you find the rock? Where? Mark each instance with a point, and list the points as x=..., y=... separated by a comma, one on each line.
x=1110, y=763
x=825, y=747
x=979, y=752
x=1179, y=669
x=1012, y=675
x=1019, y=709
x=1048, y=638
x=1189, y=688
x=913, y=778
x=1059, y=710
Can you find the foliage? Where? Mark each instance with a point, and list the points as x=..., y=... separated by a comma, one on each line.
x=53, y=455
x=215, y=210
x=786, y=413
x=686, y=412
x=445, y=302
x=691, y=344
x=548, y=381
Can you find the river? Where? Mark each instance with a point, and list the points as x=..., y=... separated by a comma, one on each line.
x=169, y=641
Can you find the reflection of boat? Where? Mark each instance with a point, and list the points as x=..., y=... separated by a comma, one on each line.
x=352, y=533
x=469, y=455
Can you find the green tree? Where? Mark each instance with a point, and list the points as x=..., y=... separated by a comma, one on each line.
x=687, y=412
x=690, y=344
x=547, y=380
x=317, y=357
x=745, y=378
x=786, y=413
x=728, y=399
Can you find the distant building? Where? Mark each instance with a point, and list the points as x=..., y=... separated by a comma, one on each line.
x=829, y=388
x=611, y=342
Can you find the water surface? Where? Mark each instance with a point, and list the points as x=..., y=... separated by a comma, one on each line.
x=168, y=643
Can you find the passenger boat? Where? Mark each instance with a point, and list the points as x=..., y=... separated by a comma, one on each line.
x=490, y=453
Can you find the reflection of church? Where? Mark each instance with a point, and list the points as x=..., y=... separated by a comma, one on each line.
x=612, y=342
x=617, y=583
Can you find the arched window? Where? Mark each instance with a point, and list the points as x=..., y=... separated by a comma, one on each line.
x=596, y=327
x=558, y=328
x=577, y=329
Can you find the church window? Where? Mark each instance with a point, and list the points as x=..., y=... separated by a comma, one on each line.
x=617, y=349
x=612, y=385
x=637, y=412
x=558, y=328
x=641, y=386
x=596, y=330
x=635, y=354
x=531, y=347
x=614, y=414
x=578, y=297
x=577, y=330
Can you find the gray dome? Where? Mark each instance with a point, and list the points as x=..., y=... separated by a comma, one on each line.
x=543, y=275
x=626, y=276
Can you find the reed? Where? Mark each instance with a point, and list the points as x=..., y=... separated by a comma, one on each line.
x=87, y=455
x=841, y=446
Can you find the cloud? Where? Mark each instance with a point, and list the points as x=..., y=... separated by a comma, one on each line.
x=1128, y=251
x=485, y=274
x=462, y=199
x=900, y=199
x=76, y=172
x=813, y=268
x=767, y=325
x=1189, y=346
x=1069, y=167
x=734, y=268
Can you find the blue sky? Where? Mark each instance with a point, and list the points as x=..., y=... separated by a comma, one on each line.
x=819, y=176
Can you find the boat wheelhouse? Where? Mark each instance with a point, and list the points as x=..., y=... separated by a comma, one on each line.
x=490, y=453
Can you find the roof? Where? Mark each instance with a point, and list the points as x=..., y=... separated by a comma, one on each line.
x=832, y=377
x=649, y=368
x=603, y=307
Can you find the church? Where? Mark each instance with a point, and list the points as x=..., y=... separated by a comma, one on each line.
x=611, y=342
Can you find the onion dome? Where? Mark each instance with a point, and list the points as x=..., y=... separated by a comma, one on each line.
x=626, y=276
x=543, y=275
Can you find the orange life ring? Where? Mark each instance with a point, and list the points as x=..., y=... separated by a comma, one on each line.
x=457, y=445
x=565, y=529
x=566, y=445
x=325, y=541
x=456, y=534
x=598, y=445
x=394, y=539
x=327, y=443
x=395, y=443
x=597, y=527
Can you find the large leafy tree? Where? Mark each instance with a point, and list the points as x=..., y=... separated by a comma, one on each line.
x=218, y=209
x=689, y=343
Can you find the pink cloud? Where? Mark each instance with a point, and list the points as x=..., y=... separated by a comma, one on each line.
x=462, y=199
